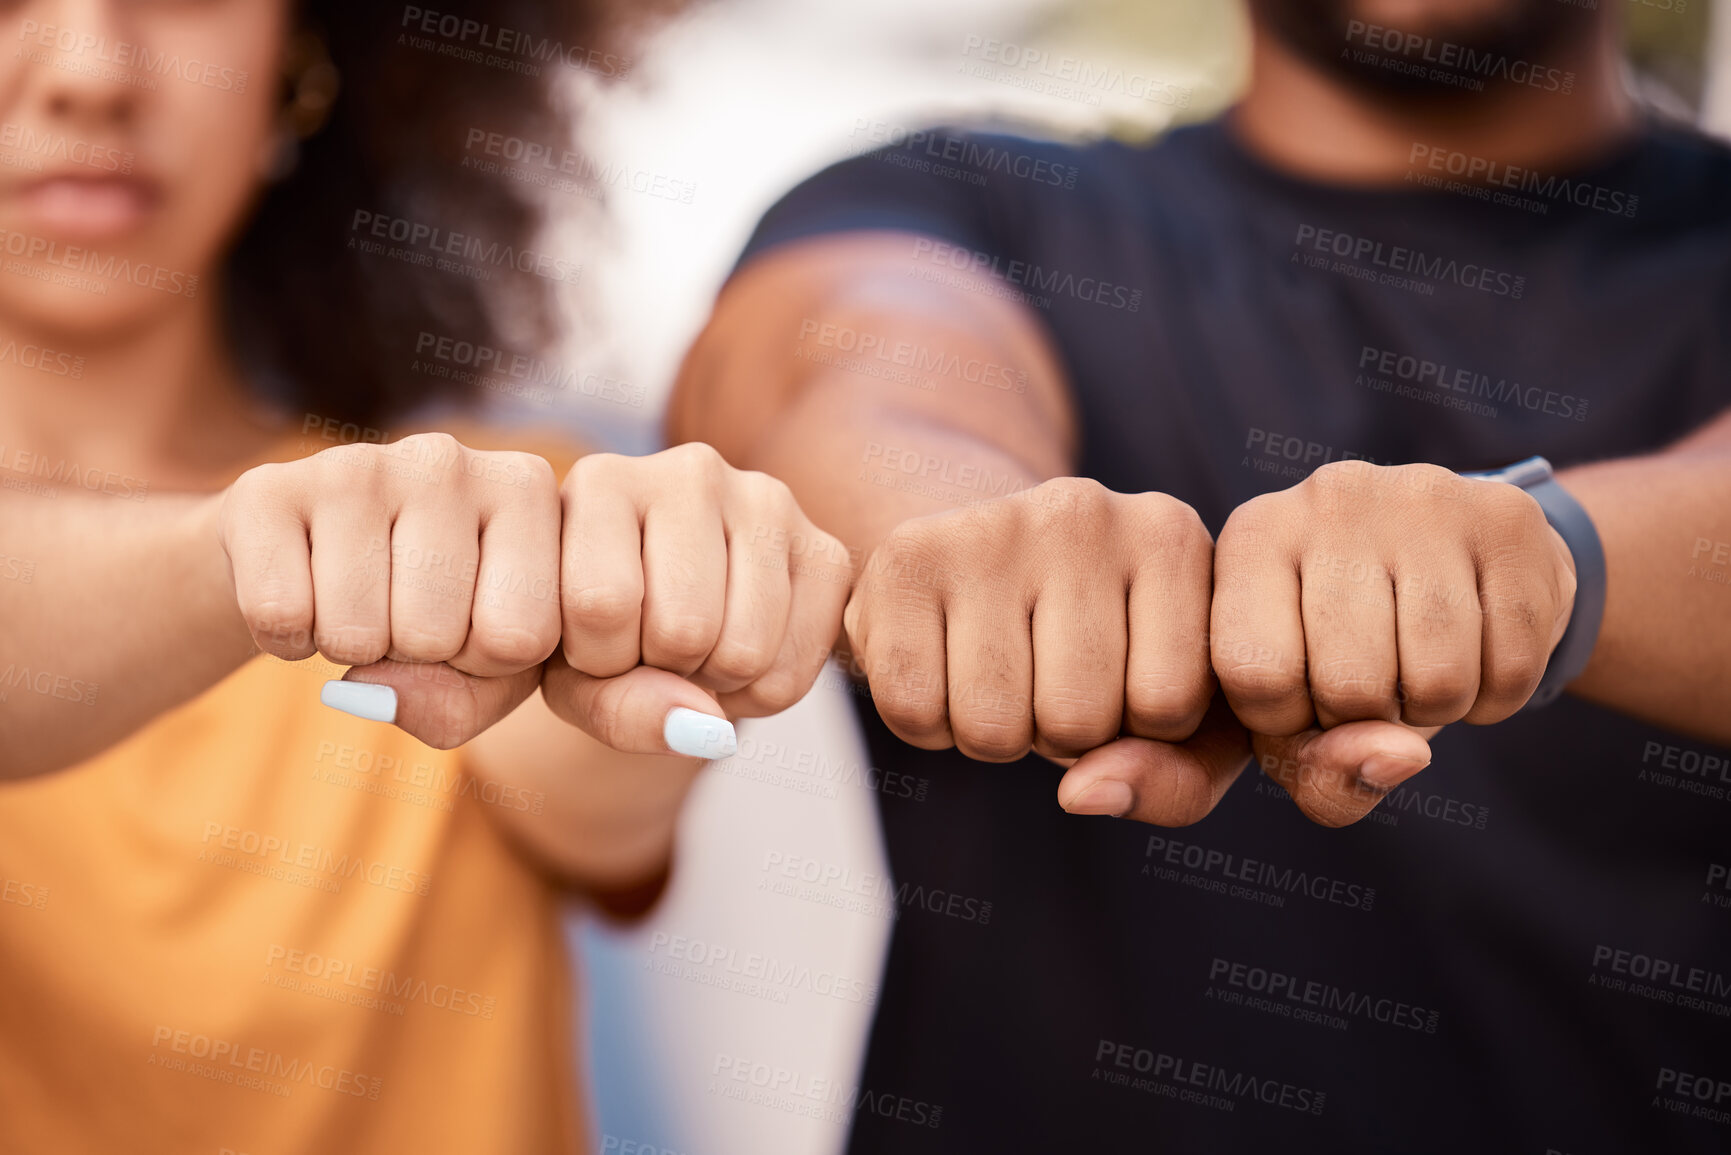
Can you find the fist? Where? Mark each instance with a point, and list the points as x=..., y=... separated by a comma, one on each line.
x=687, y=583
x=1394, y=593
x=1054, y=620
x=422, y=553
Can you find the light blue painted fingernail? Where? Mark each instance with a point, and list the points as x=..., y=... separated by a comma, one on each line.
x=362, y=699
x=698, y=735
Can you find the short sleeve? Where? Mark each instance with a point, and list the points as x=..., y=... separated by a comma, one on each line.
x=938, y=182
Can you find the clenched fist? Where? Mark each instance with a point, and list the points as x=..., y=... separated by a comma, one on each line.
x=1064, y=619
x=1393, y=593
x=431, y=567
x=688, y=585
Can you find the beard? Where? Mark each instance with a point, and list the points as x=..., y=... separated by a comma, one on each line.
x=1535, y=31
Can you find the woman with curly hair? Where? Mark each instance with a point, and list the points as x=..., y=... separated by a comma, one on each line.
x=242, y=254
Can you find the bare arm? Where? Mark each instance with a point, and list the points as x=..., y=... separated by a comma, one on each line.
x=129, y=611
x=868, y=438
x=1664, y=650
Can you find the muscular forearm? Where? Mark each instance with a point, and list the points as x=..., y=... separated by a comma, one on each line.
x=1664, y=650
x=876, y=398
x=127, y=613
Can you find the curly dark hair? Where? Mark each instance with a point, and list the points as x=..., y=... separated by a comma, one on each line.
x=337, y=275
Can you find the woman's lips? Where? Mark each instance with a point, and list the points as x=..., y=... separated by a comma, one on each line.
x=86, y=208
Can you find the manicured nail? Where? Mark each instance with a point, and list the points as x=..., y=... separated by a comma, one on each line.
x=1386, y=771
x=362, y=699
x=698, y=735
x=1106, y=796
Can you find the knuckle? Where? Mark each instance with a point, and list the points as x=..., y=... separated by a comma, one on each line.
x=517, y=646
x=912, y=711
x=1069, y=721
x=1513, y=668
x=1350, y=691
x=1160, y=705
x=352, y=645
x=280, y=622
x=991, y=737
x=1073, y=497
x=685, y=639
x=1254, y=677
x=1438, y=685
x=433, y=645
x=697, y=461
x=603, y=609
x=774, y=692
x=739, y=661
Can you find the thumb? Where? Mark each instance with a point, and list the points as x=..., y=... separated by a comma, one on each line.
x=642, y=711
x=429, y=700
x=1337, y=776
x=1163, y=783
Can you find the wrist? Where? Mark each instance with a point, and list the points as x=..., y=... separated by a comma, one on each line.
x=205, y=549
x=1580, y=537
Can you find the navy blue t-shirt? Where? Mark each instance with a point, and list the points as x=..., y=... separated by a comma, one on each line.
x=1527, y=947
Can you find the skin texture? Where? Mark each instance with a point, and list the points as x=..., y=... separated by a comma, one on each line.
x=1350, y=616
x=157, y=600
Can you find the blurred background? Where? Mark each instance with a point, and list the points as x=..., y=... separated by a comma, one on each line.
x=727, y=108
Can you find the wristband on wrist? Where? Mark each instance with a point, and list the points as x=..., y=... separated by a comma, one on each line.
x=1578, y=533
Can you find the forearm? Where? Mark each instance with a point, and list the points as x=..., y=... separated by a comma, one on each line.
x=593, y=818
x=127, y=613
x=859, y=468
x=1664, y=649
x=875, y=397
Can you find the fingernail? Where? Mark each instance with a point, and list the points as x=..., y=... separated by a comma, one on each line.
x=1386, y=771
x=362, y=699
x=698, y=735
x=1105, y=796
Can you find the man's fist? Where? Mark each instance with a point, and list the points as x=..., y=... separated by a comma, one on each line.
x=1054, y=620
x=1400, y=593
x=688, y=583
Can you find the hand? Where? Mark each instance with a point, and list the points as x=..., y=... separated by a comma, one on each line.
x=1055, y=620
x=1399, y=594
x=688, y=584
x=429, y=567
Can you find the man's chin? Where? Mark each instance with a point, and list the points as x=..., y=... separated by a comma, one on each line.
x=1328, y=35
